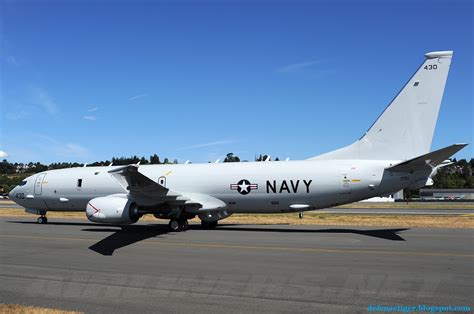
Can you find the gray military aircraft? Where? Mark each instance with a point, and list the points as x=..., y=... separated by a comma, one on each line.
x=393, y=154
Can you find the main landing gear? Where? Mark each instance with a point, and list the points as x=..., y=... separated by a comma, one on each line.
x=208, y=224
x=42, y=219
x=177, y=225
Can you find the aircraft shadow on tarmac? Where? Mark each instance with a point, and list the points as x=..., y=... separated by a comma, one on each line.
x=123, y=236
x=128, y=235
x=386, y=234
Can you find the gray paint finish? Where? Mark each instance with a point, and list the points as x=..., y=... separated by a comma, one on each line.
x=393, y=154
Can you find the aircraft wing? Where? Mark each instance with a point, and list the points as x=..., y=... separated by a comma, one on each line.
x=207, y=202
x=142, y=189
x=428, y=161
x=147, y=192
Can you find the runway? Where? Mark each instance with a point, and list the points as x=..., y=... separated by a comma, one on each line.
x=75, y=265
x=397, y=211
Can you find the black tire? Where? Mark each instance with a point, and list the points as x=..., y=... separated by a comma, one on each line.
x=41, y=220
x=184, y=225
x=208, y=224
x=45, y=220
x=174, y=225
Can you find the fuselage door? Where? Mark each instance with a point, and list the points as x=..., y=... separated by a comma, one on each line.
x=39, y=183
x=345, y=184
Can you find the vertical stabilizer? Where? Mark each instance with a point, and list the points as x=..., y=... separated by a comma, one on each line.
x=405, y=129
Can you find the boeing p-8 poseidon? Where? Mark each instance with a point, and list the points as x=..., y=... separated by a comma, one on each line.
x=392, y=155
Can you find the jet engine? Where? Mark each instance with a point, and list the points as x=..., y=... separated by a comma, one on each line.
x=113, y=209
x=214, y=216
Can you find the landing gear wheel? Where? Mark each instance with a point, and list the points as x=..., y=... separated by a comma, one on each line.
x=183, y=225
x=174, y=225
x=42, y=220
x=208, y=224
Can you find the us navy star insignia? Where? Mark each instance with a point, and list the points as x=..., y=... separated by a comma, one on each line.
x=244, y=186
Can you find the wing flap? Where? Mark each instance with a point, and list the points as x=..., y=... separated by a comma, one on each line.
x=207, y=202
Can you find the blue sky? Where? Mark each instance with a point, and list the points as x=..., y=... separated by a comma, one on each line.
x=88, y=80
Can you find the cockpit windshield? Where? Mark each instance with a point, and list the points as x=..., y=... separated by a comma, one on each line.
x=22, y=183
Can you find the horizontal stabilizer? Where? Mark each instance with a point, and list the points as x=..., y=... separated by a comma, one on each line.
x=427, y=161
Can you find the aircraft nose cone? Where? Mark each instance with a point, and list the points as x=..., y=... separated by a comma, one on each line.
x=12, y=193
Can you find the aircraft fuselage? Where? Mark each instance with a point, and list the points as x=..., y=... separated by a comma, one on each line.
x=246, y=187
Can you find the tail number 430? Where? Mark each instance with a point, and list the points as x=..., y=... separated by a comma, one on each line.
x=430, y=67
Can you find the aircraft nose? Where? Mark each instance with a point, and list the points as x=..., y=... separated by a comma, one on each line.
x=12, y=193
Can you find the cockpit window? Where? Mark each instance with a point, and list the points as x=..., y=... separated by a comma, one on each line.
x=22, y=183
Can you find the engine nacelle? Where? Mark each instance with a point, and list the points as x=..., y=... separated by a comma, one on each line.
x=214, y=216
x=113, y=209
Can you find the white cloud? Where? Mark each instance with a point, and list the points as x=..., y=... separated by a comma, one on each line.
x=210, y=144
x=47, y=146
x=73, y=150
x=12, y=60
x=138, y=96
x=42, y=98
x=298, y=66
x=17, y=115
x=44, y=138
x=91, y=118
x=3, y=154
x=93, y=109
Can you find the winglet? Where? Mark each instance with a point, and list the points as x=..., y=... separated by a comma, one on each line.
x=439, y=54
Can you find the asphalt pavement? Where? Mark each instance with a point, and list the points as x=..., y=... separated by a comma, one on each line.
x=74, y=265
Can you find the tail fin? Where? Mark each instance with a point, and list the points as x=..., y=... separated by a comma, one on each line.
x=405, y=129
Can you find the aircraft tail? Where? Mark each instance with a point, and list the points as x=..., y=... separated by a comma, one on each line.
x=405, y=129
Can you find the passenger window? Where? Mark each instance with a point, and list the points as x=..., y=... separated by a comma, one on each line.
x=79, y=183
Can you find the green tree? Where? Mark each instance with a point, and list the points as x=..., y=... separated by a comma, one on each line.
x=154, y=160
x=231, y=158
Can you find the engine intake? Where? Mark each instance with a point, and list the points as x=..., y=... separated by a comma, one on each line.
x=113, y=209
